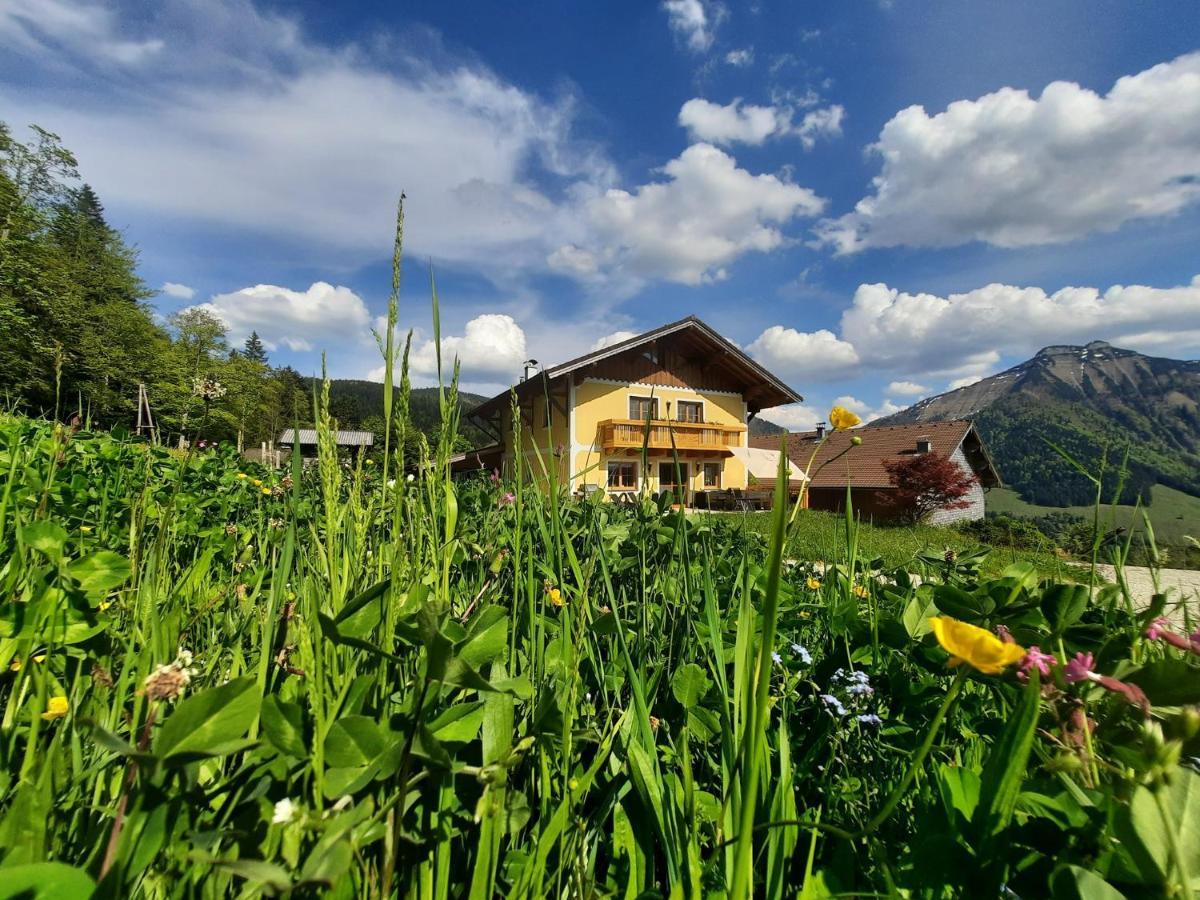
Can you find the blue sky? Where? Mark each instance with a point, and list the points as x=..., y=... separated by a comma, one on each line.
x=878, y=200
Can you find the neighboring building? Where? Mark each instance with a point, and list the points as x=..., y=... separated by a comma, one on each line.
x=585, y=421
x=863, y=467
x=307, y=438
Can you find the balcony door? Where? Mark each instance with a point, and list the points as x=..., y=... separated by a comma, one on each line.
x=673, y=477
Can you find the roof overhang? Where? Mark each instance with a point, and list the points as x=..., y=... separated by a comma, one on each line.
x=765, y=389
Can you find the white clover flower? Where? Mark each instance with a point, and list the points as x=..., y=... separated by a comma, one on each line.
x=285, y=811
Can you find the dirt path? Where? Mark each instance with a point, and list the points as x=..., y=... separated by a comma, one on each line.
x=1178, y=583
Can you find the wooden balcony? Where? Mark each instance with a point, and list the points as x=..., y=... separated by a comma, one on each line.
x=686, y=437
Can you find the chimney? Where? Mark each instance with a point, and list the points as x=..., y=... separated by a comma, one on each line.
x=820, y=430
x=924, y=445
x=529, y=364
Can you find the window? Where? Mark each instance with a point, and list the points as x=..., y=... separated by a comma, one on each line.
x=712, y=475
x=689, y=411
x=641, y=407
x=622, y=475
x=671, y=475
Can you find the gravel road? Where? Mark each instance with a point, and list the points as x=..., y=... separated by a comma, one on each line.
x=1179, y=583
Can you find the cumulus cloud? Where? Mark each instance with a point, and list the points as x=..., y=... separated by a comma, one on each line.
x=740, y=58
x=615, y=338
x=732, y=123
x=694, y=21
x=1013, y=171
x=736, y=122
x=321, y=317
x=305, y=143
x=179, y=291
x=690, y=226
x=817, y=355
x=490, y=349
x=960, y=338
x=906, y=389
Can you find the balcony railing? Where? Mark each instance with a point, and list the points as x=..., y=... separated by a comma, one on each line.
x=630, y=434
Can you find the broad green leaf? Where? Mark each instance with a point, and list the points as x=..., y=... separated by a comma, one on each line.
x=1168, y=682
x=99, y=572
x=257, y=872
x=1143, y=831
x=689, y=684
x=45, y=881
x=209, y=723
x=458, y=724
x=1074, y=883
x=917, y=614
x=283, y=725
x=1063, y=605
x=354, y=741
x=46, y=537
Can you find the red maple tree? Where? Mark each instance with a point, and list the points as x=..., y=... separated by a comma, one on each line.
x=926, y=483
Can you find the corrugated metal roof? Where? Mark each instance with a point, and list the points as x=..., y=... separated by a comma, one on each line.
x=344, y=438
x=864, y=466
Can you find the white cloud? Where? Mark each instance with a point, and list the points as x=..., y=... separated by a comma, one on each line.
x=970, y=331
x=322, y=317
x=179, y=291
x=705, y=215
x=740, y=58
x=80, y=27
x=965, y=381
x=961, y=338
x=818, y=355
x=820, y=123
x=793, y=417
x=707, y=121
x=864, y=410
x=736, y=122
x=306, y=144
x=694, y=21
x=906, y=389
x=615, y=338
x=490, y=349
x=1013, y=171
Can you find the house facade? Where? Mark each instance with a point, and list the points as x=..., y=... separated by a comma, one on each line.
x=838, y=464
x=668, y=410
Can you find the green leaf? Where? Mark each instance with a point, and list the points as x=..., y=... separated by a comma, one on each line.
x=1141, y=828
x=49, y=880
x=1063, y=605
x=917, y=614
x=209, y=723
x=458, y=724
x=283, y=725
x=47, y=537
x=1168, y=682
x=1005, y=769
x=689, y=684
x=1074, y=883
x=258, y=872
x=99, y=572
x=354, y=741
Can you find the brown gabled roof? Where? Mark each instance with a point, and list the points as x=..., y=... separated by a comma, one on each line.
x=775, y=392
x=863, y=466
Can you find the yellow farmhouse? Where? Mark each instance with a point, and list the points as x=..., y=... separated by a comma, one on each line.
x=618, y=419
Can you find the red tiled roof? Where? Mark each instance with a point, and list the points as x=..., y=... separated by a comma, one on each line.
x=863, y=465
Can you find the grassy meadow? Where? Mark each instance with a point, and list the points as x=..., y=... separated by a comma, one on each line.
x=364, y=679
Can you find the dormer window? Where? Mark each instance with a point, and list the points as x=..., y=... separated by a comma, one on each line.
x=924, y=445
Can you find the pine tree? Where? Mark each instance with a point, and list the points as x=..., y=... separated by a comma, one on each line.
x=254, y=349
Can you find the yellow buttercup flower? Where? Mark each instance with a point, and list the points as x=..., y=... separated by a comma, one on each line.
x=860, y=592
x=16, y=663
x=56, y=708
x=842, y=419
x=257, y=482
x=556, y=596
x=267, y=491
x=812, y=584
x=242, y=475
x=977, y=647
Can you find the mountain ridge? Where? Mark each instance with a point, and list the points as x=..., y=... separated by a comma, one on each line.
x=1082, y=398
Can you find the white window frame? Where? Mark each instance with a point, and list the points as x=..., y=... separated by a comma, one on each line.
x=609, y=486
x=652, y=400
x=699, y=403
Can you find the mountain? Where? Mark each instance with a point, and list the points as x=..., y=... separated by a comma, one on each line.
x=1082, y=399
x=359, y=404
x=763, y=428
